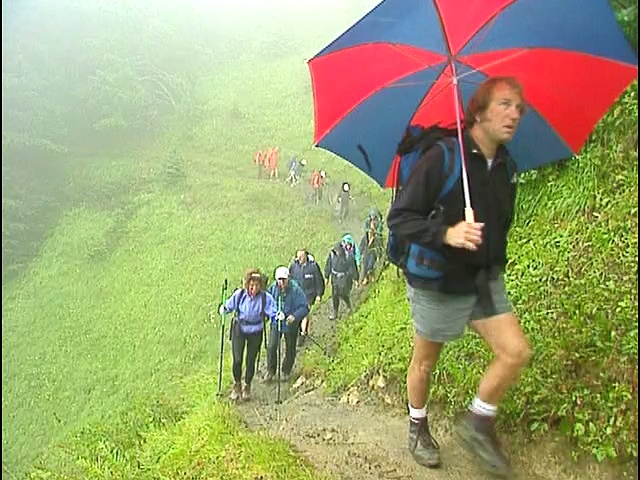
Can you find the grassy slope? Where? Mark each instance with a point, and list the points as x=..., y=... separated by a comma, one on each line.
x=573, y=279
x=181, y=435
x=116, y=304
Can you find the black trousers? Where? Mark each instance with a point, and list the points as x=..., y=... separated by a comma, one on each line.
x=253, y=342
x=290, y=341
x=338, y=293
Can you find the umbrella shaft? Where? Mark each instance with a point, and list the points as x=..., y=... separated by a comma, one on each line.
x=468, y=211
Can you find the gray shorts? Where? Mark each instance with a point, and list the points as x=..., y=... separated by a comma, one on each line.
x=441, y=318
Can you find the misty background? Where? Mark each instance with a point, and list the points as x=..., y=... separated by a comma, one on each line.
x=129, y=192
x=128, y=129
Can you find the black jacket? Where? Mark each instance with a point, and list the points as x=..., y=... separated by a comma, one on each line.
x=414, y=215
x=309, y=276
x=341, y=268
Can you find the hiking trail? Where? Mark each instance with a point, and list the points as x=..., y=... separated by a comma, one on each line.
x=358, y=436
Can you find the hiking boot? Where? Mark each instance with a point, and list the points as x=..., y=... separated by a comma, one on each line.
x=246, y=392
x=478, y=434
x=268, y=377
x=333, y=315
x=423, y=447
x=302, y=339
x=236, y=391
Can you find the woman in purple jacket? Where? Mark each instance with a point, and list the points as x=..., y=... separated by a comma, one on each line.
x=252, y=306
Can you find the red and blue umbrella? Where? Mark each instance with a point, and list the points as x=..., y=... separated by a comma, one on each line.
x=417, y=62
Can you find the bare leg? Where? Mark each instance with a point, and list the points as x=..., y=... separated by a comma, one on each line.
x=423, y=361
x=422, y=445
x=512, y=352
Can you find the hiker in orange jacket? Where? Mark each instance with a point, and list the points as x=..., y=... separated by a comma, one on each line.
x=274, y=155
x=317, y=184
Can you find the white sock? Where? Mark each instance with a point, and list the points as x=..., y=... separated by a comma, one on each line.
x=417, y=413
x=483, y=408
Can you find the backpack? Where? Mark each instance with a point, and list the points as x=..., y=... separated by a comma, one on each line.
x=418, y=260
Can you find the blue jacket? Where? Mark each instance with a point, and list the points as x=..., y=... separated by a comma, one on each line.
x=294, y=301
x=249, y=309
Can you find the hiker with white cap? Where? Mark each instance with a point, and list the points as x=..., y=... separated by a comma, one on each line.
x=343, y=199
x=292, y=308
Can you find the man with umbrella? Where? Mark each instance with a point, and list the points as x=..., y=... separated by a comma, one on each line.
x=421, y=62
x=471, y=290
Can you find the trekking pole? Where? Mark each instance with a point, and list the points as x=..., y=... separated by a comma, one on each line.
x=223, y=298
x=279, y=351
x=324, y=349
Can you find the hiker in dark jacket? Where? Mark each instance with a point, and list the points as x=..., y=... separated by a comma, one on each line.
x=343, y=200
x=342, y=271
x=471, y=290
x=292, y=308
x=251, y=305
x=306, y=272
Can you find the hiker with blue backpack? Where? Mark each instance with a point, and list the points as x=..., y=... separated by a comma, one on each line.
x=251, y=306
x=292, y=307
x=454, y=268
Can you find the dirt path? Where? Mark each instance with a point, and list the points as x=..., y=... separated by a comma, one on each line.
x=357, y=437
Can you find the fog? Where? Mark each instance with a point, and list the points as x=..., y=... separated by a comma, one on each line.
x=82, y=80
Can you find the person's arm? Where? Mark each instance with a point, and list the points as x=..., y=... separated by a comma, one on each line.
x=354, y=270
x=300, y=306
x=410, y=216
x=327, y=267
x=270, y=307
x=320, y=285
x=232, y=302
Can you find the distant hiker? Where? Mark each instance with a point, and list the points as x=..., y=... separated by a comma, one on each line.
x=292, y=302
x=371, y=247
x=373, y=221
x=252, y=306
x=455, y=275
x=272, y=162
x=342, y=271
x=317, y=185
x=307, y=273
x=294, y=171
x=343, y=199
x=259, y=160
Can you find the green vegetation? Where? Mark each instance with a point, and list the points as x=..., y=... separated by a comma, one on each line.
x=113, y=257
x=573, y=279
x=179, y=436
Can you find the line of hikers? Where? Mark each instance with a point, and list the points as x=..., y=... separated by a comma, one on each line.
x=285, y=305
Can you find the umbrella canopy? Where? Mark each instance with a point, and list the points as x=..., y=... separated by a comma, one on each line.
x=418, y=62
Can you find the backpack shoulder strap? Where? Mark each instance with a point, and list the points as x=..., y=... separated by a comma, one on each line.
x=263, y=305
x=451, y=168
